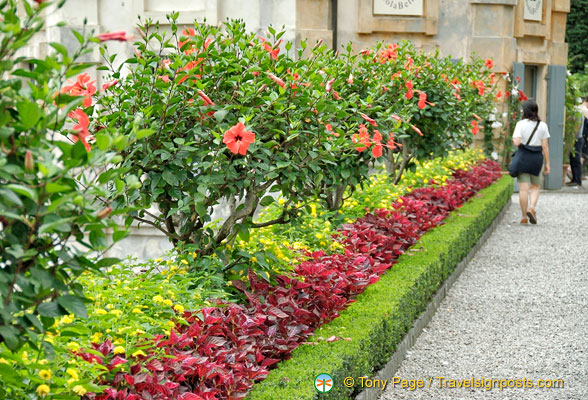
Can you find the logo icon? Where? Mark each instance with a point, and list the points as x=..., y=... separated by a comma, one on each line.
x=323, y=383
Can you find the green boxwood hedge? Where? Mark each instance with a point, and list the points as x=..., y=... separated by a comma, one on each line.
x=377, y=322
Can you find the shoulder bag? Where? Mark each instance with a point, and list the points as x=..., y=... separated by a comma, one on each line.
x=527, y=159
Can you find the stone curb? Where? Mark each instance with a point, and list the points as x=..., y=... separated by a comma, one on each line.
x=387, y=373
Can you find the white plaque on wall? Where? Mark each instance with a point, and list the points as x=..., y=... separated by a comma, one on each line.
x=398, y=7
x=533, y=10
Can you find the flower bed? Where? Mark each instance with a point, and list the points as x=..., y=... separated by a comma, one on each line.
x=223, y=350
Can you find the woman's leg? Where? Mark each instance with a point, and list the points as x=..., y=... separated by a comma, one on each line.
x=534, y=194
x=524, y=197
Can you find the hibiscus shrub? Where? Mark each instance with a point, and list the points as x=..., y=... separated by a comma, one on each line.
x=234, y=121
x=238, y=120
x=50, y=215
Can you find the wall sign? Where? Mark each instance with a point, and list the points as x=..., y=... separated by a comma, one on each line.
x=398, y=7
x=533, y=10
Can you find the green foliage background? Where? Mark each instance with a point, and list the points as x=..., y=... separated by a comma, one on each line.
x=576, y=36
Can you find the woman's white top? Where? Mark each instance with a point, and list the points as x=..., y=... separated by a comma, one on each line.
x=525, y=127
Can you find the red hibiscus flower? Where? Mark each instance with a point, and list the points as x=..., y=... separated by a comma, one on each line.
x=408, y=94
x=417, y=130
x=518, y=78
x=377, y=149
x=422, y=100
x=522, y=96
x=362, y=137
x=409, y=85
x=499, y=94
x=391, y=144
x=81, y=127
x=475, y=128
x=409, y=63
x=120, y=36
x=270, y=49
x=205, y=98
x=82, y=87
x=276, y=79
x=368, y=119
x=480, y=86
x=330, y=85
x=492, y=77
x=109, y=84
x=329, y=129
x=336, y=96
x=489, y=63
x=238, y=139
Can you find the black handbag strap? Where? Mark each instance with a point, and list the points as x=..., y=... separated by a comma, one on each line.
x=532, y=134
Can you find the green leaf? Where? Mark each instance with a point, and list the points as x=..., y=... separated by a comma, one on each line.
x=35, y=321
x=10, y=337
x=74, y=305
x=29, y=113
x=8, y=197
x=6, y=371
x=103, y=142
x=266, y=201
x=220, y=115
x=78, y=36
x=143, y=133
x=61, y=225
x=107, y=262
x=61, y=49
x=170, y=178
x=25, y=191
x=49, y=309
x=243, y=232
x=79, y=151
x=57, y=188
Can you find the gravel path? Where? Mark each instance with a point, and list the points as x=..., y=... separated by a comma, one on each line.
x=519, y=310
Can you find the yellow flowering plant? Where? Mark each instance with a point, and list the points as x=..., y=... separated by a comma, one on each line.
x=273, y=249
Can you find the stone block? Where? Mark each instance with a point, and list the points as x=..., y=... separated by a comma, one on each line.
x=532, y=57
x=536, y=29
x=561, y=5
x=313, y=14
x=558, y=26
x=559, y=53
x=500, y=49
x=492, y=20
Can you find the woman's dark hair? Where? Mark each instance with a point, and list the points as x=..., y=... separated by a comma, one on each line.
x=531, y=111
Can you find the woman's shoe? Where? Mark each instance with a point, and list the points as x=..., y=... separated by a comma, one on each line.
x=524, y=221
x=532, y=216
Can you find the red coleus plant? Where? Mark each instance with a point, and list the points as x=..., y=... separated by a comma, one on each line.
x=223, y=350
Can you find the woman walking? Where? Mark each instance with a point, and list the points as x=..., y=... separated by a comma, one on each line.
x=531, y=127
